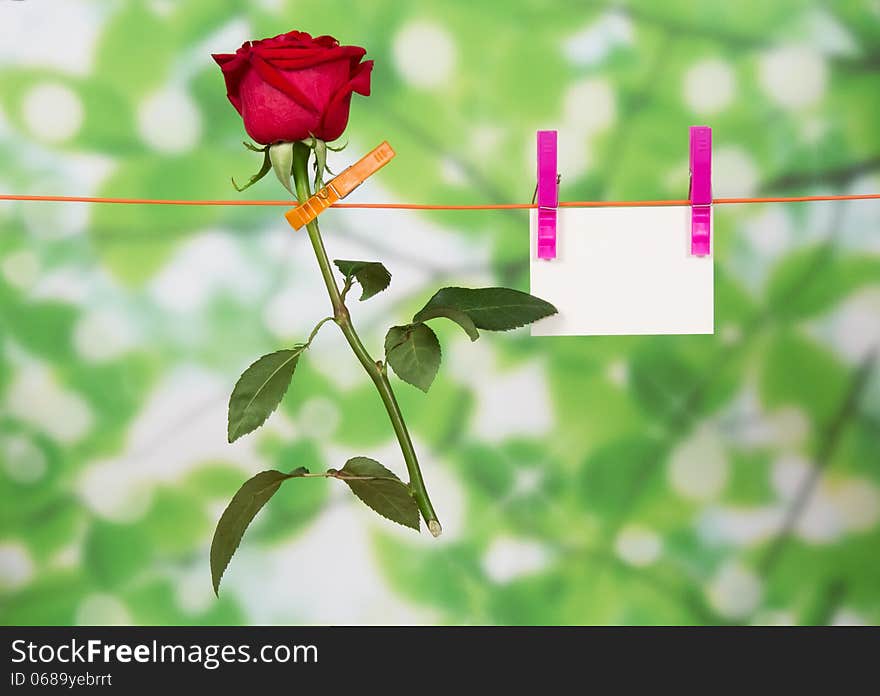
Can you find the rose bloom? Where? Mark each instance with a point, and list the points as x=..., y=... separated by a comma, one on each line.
x=292, y=86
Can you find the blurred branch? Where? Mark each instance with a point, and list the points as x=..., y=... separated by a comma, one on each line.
x=870, y=421
x=719, y=33
x=868, y=63
x=679, y=588
x=827, y=447
x=831, y=596
x=688, y=596
x=857, y=30
x=836, y=176
x=637, y=103
x=751, y=329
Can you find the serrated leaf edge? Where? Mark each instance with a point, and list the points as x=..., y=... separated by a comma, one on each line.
x=354, y=274
x=296, y=473
x=417, y=526
x=298, y=351
x=393, y=478
x=397, y=345
x=494, y=287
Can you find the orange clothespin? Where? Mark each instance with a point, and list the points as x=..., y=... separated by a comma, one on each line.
x=340, y=186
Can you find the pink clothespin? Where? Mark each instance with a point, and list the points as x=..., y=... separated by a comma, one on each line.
x=548, y=194
x=701, y=190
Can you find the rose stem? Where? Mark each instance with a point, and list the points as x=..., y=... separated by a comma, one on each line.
x=379, y=376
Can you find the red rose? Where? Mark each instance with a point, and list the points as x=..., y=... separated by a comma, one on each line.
x=292, y=86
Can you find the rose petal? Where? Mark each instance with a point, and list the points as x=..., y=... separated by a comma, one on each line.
x=360, y=81
x=274, y=78
x=291, y=37
x=335, y=117
x=287, y=58
x=270, y=115
x=326, y=40
x=234, y=68
x=291, y=85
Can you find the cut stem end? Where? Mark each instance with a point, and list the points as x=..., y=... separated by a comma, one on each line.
x=435, y=528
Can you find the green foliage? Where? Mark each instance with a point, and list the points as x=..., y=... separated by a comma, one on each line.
x=458, y=316
x=796, y=371
x=134, y=242
x=115, y=552
x=413, y=351
x=42, y=327
x=536, y=454
x=794, y=292
x=493, y=309
x=173, y=523
x=147, y=63
x=615, y=478
x=664, y=383
x=381, y=490
x=259, y=391
x=240, y=512
x=372, y=276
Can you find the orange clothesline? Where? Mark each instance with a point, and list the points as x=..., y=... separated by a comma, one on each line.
x=422, y=206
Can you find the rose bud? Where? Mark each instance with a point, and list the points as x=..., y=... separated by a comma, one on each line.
x=293, y=86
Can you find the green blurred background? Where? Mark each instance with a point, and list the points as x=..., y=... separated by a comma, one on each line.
x=711, y=479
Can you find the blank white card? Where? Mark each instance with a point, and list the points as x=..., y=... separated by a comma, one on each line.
x=622, y=271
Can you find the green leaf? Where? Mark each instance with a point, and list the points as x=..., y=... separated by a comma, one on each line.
x=372, y=275
x=618, y=475
x=133, y=244
x=663, y=381
x=456, y=315
x=281, y=155
x=381, y=490
x=267, y=165
x=811, y=281
x=320, y=163
x=493, y=309
x=146, y=62
x=798, y=371
x=259, y=390
x=414, y=353
x=242, y=509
